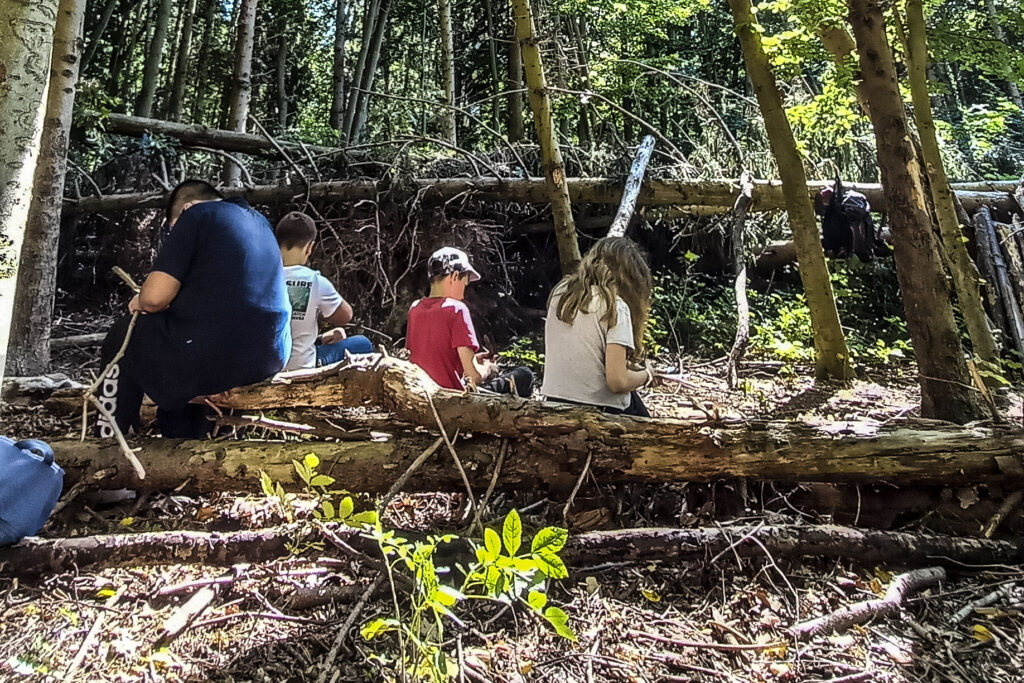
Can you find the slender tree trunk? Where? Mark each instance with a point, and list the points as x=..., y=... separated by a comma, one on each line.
x=281, y=73
x=739, y=266
x=964, y=272
x=492, y=48
x=371, y=9
x=584, y=130
x=370, y=72
x=448, y=131
x=29, y=346
x=946, y=391
x=515, y=84
x=26, y=43
x=203, y=60
x=181, y=70
x=241, y=83
x=997, y=32
x=151, y=72
x=97, y=34
x=831, y=355
x=338, y=71
x=123, y=79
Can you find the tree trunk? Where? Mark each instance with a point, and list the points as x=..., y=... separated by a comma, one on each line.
x=371, y=10
x=997, y=32
x=515, y=86
x=632, y=188
x=281, y=74
x=123, y=79
x=29, y=346
x=241, y=83
x=26, y=43
x=448, y=131
x=97, y=34
x=831, y=355
x=551, y=153
x=946, y=389
x=985, y=231
x=362, y=111
x=338, y=70
x=203, y=60
x=492, y=50
x=965, y=273
x=154, y=57
x=699, y=197
x=739, y=266
x=181, y=70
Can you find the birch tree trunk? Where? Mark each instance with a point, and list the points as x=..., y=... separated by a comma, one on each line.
x=946, y=390
x=964, y=272
x=97, y=34
x=281, y=76
x=362, y=111
x=241, y=83
x=29, y=345
x=338, y=70
x=151, y=72
x=181, y=68
x=832, y=359
x=492, y=49
x=551, y=153
x=371, y=9
x=515, y=85
x=26, y=42
x=448, y=131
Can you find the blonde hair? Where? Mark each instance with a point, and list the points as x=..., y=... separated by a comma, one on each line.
x=614, y=266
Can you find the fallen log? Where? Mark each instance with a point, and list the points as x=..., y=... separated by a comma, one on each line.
x=34, y=390
x=710, y=196
x=83, y=340
x=37, y=556
x=549, y=441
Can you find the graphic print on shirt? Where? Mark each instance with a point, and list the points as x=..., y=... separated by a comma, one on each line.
x=298, y=295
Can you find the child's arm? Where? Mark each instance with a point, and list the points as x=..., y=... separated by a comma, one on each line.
x=342, y=315
x=617, y=375
x=475, y=371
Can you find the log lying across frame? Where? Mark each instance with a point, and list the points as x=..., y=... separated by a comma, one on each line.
x=703, y=197
x=38, y=556
x=549, y=442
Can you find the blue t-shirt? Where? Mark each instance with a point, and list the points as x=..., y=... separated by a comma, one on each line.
x=229, y=324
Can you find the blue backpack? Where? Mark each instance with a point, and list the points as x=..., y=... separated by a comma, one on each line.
x=30, y=483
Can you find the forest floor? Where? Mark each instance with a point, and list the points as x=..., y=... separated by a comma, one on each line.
x=721, y=618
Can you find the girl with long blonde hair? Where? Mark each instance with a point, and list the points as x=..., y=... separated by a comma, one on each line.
x=595, y=328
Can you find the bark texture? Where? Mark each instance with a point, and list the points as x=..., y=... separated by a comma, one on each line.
x=946, y=388
x=831, y=357
x=241, y=82
x=154, y=57
x=29, y=346
x=444, y=11
x=962, y=268
x=26, y=42
x=632, y=188
x=547, y=136
x=338, y=69
x=181, y=70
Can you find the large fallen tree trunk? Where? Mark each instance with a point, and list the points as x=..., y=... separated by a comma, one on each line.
x=37, y=556
x=703, y=196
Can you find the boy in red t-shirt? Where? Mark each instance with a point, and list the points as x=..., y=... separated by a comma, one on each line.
x=440, y=336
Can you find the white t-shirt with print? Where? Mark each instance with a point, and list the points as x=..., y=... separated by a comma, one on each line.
x=310, y=294
x=574, y=354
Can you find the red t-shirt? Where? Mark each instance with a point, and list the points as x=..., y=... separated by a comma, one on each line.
x=437, y=328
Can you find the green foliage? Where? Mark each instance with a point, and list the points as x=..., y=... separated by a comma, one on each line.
x=528, y=351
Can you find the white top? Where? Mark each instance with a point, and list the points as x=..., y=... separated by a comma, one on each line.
x=574, y=354
x=310, y=293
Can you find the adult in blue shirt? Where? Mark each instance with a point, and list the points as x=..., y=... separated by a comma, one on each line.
x=214, y=315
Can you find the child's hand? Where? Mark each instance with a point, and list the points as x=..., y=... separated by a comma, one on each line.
x=333, y=336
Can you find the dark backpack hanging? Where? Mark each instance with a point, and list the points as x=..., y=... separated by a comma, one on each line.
x=847, y=228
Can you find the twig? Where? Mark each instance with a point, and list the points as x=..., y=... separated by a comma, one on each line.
x=284, y=154
x=1009, y=503
x=576, y=488
x=90, y=637
x=490, y=487
x=991, y=598
x=451, y=449
x=343, y=631
x=727, y=647
x=81, y=171
x=400, y=482
x=862, y=611
x=140, y=471
x=233, y=159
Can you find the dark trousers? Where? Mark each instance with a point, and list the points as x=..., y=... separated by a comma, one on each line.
x=636, y=407
x=121, y=393
x=518, y=381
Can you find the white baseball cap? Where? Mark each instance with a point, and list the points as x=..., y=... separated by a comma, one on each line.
x=448, y=260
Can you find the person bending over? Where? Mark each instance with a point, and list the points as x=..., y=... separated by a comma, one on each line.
x=213, y=315
x=595, y=327
x=441, y=338
x=313, y=295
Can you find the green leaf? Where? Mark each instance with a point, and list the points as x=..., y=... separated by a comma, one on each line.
x=267, y=484
x=328, y=508
x=549, y=539
x=537, y=600
x=551, y=565
x=345, y=508
x=322, y=480
x=448, y=596
x=311, y=461
x=512, y=532
x=372, y=629
x=301, y=470
x=367, y=517
x=559, y=620
x=492, y=544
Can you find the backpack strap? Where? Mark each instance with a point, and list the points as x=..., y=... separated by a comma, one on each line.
x=37, y=448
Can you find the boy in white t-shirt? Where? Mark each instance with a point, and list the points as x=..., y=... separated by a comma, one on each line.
x=312, y=296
